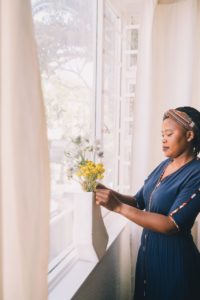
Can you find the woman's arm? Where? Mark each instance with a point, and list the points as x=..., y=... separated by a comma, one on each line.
x=153, y=221
x=126, y=199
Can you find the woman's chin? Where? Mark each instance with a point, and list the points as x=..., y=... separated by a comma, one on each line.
x=166, y=154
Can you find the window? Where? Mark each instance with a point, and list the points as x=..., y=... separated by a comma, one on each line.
x=66, y=36
x=73, y=56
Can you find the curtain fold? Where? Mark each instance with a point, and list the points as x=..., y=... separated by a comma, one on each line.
x=25, y=188
x=167, y=77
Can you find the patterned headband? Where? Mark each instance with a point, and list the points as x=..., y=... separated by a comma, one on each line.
x=180, y=117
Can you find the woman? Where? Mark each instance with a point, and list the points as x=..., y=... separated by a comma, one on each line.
x=168, y=264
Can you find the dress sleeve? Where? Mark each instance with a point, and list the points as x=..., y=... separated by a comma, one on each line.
x=140, y=199
x=186, y=206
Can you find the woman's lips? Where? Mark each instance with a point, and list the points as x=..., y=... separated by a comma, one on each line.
x=165, y=148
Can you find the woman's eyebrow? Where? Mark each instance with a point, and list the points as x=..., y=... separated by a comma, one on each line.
x=162, y=131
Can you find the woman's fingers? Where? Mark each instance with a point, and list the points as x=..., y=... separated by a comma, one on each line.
x=107, y=199
x=101, y=186
x=103, y=196
x=103, y=191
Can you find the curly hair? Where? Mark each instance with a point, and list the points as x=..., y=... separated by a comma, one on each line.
x=194, y=114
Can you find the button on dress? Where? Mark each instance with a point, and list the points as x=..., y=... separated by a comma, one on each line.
x=168, y=266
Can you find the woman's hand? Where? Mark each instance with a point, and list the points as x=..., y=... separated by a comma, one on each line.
x=101, y=186
x=106, y=198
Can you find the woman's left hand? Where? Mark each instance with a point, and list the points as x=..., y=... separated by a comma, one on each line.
x=107, y=199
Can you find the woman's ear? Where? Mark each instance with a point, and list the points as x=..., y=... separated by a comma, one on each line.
x=190, y=135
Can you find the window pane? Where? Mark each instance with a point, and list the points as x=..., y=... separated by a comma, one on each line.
x=66, y=36
x=130, y=54
x=132, y=39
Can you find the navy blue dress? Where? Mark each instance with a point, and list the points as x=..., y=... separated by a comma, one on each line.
x=168, y=266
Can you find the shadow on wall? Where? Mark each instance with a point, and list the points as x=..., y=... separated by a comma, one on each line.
x=111, y=278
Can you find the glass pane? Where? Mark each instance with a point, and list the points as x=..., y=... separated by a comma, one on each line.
x=131, y=62
x=130, y=56
x=65, y=33
x=130, y=86
x=132, y=39
x=66, y=37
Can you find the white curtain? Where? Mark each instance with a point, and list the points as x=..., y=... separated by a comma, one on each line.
x=24, y=181
x=168, y=75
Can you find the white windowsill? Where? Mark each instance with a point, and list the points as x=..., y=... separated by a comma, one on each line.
x=67, y=283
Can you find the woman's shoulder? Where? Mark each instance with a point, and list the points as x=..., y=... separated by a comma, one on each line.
x=195, y=165
x=192, y=170
x=197, y=161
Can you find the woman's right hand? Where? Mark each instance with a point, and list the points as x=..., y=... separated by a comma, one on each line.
x=106, y=198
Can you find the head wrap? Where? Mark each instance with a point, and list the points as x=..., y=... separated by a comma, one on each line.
x=180, y=117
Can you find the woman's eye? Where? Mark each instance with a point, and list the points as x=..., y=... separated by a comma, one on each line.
x=169, y=134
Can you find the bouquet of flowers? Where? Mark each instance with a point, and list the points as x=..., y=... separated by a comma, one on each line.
x=81, y=165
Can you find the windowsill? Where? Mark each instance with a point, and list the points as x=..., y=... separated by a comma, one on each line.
x=65, y=284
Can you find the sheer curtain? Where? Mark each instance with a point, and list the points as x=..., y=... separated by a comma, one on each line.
x=168, y=75
x=24, y=196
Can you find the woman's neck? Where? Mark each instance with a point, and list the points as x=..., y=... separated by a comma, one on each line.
x=182, y=159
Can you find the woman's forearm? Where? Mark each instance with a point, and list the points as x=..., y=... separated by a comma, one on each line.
x=153, y=221
x=116, y=202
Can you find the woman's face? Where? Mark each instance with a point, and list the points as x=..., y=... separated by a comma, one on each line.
x=175, y=139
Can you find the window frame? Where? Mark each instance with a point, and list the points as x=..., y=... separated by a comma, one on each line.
x=69, y=257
